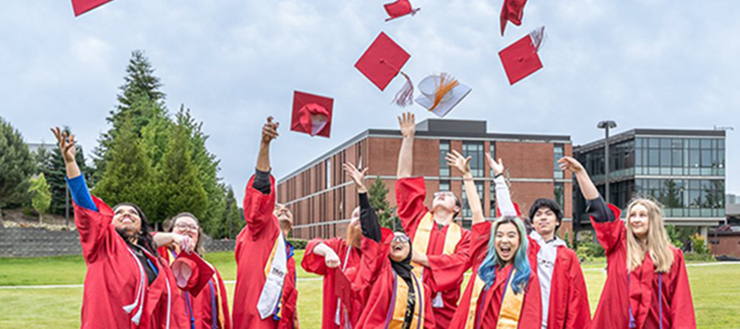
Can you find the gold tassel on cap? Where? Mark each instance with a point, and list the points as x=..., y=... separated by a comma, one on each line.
x=446, y=83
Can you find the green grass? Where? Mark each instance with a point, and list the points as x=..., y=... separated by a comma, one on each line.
x=715, y=289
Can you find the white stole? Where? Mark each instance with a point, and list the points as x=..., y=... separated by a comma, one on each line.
x=275, y=277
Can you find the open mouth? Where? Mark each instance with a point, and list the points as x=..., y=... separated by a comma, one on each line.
x=505, y=251
x=397, y=247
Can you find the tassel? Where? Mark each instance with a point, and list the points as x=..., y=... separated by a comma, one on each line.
x=538, y=38
x=446, y=83
x=405, y=96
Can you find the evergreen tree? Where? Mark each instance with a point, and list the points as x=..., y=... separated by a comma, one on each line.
x=40, y=195
x=178, y=183
x=129, y=177
x=16, y=167
x=51, y=164
x=233, y=213
x=140, y=101
x=377, y=193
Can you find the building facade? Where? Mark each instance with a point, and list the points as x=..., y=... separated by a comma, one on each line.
x=322, y=197
x=682, y=169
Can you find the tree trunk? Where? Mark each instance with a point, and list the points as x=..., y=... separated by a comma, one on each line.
x=40, y=218
x=1, y=218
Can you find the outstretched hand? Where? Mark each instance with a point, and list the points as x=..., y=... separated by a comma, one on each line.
x=458, y=161
x=356, y=175
x=496, y=166
x=570, y=163
x=407, y=123
x=66, y=146
x=269, y=131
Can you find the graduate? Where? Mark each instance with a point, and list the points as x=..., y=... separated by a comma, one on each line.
x=386, y=293
x=441, y=246
x=208, y=308
x=127, y=285
x=503, y=291
x=323, y=255
x=647, y=286
x=562, y=286
x=265, y=295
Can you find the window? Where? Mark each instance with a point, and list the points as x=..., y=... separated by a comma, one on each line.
x=492, y=202
x=475, y=151
x=560, y=195
x=492, y=151
x=444, y=185
x=328, y=173
x=444, y=148
x=557, y=154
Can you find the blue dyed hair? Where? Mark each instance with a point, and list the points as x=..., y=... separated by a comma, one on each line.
x=487, y=270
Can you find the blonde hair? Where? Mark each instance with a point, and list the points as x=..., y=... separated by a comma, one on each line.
x=656, y=243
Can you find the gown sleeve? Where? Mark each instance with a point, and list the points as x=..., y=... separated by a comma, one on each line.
x=410, y=194
x=258, y=206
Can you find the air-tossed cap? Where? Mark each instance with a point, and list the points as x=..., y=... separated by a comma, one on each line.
x=342, y=285
x=512, y=11
x=82, y=6
x=191, y=272
x=520, y=59
x=311, y=114
x=398, y=9
x=382, y=61
x=440, y=93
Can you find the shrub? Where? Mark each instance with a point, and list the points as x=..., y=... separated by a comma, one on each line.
x=298, y=244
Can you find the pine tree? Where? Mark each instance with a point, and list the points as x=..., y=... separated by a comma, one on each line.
x=234, y=213
x=178, y=184
x=40, y=195
x=140, y=101
x=16, y=166
x=377, y=193
x=129, y=177
x=51, y=164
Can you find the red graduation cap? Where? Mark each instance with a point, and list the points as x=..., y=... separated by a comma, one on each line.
x=311, y=114
x=191, y=272
x=520, y=59
x=398, y=9
x=82, y=6
x=512, y=11
x=382, y=62
x=342, y=286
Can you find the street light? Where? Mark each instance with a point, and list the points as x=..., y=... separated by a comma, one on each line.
x=606, y=125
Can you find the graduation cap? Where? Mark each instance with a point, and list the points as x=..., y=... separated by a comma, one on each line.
x=191, y=272
x=398, y=9
x=520, y=59
x=382, y=62
x=311, y=114
x=82, y=6
x=342, y=286
x=512, y=11
x=440, y=93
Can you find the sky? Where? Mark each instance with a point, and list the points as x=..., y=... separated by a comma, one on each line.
x=641, y=63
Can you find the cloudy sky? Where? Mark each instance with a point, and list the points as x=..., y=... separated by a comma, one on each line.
x=644, y=64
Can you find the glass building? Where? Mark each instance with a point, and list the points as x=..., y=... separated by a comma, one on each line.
x=682, y=169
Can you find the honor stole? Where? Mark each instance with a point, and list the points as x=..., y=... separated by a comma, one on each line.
x=511, y=305
x=399, y=302
x=422, y=237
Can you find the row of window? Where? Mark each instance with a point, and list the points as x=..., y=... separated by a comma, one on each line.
x=679, y=197
x=478, y=160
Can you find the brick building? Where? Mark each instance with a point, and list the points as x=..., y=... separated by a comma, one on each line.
x=322, y=197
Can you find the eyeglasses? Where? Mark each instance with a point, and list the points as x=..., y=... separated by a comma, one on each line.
x=401, y=238
x=443, y=193
x=184, y=226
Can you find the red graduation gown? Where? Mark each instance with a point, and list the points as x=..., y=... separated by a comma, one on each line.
x=568, y=306
x=203, y=310
x=445, y=272
x=641, y=290
x=253, y=247
x=373, y=284
x=313, y=263
x=114, y=275
x=531, y=317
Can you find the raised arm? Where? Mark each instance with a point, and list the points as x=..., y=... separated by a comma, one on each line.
x=406, y=155
x=368, y=218
x=259, y=198
x=588, y=189
x=503, y=196
x=462, y=164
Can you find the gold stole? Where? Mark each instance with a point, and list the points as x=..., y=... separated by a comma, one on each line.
x=399, y=309
x=511, y=307
x=422, y=237
x=478, y=286
x=268, y=266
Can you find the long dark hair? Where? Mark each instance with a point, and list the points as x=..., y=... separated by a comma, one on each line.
x=199, y=249
x=144, y=237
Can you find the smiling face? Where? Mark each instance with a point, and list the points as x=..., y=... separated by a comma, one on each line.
x=638, y=220
x=545, y=221
x=507, y=242
x=186, y=225
x=126, y=218
x=400, y=247
x=445, y=200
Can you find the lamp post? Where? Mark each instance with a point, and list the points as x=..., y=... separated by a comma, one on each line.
x=606, y=125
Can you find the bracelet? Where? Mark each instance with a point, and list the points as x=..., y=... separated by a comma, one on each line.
x=498, y=175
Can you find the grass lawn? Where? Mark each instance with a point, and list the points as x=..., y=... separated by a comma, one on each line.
x=715, y=289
